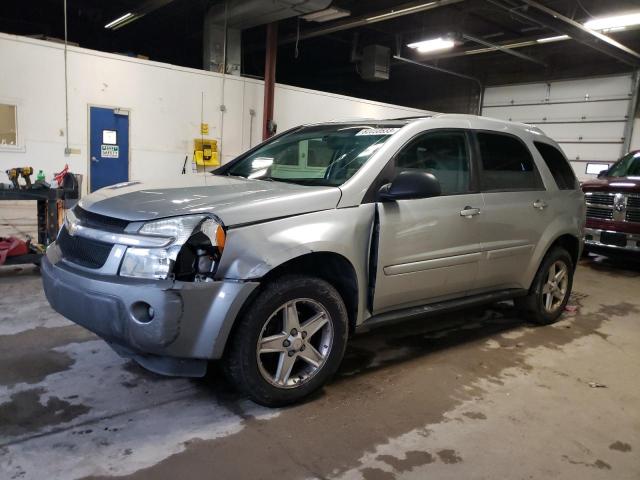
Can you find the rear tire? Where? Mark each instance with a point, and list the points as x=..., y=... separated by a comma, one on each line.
x=289, y=342
x=551, y=288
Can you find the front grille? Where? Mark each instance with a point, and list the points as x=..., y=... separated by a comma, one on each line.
x=633, y=216
x=599, y=198
x=85, y=252
x=633, y=202
x=600, y=213
x=99, y=222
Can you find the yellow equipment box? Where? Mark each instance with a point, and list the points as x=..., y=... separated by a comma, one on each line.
x=205, y=152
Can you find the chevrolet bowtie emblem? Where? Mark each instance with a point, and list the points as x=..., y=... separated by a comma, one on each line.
x=72, y=228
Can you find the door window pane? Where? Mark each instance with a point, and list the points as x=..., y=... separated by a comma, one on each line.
x=109, y=137
x=507, y=164
x=560, y=168
x=8, y=130
x=443, y=154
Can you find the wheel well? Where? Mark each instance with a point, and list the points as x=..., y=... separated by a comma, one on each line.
x=571, y=244
x=331, y=267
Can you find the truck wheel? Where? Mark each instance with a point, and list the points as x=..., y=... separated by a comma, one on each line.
x=551, y=288
x=289, y=341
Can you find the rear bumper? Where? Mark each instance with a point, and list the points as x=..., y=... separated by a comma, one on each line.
x=189, y=322
x=593, y=240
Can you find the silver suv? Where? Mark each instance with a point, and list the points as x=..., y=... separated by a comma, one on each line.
x=275, y=259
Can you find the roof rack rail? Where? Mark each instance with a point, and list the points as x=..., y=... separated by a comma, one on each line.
x=415, y=117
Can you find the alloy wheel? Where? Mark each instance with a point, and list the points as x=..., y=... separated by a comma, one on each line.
x=554, y=289
x=294, y=343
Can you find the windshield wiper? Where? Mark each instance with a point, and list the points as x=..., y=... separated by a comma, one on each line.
x=275, y=179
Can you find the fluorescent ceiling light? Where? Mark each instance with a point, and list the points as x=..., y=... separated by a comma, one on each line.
x=614, y=22
x=557, y=38
x=432, y=45
x=119, y=20
x=331, y=13
x=401, y=11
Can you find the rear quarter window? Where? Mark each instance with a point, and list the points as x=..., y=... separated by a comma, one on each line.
x=507, y=164
x=558, y=165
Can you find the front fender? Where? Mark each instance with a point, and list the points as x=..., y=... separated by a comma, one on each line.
x=253, y=251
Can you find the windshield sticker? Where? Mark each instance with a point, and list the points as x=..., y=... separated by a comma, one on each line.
x=377, y=131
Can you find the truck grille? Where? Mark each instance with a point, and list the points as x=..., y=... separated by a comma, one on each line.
x=633, y=202
x=599, y=199
x=85, y=252
x=99, y=222
x=633, y=216
x=599, y=213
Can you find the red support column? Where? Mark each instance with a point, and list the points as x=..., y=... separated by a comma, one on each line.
x=269, y=79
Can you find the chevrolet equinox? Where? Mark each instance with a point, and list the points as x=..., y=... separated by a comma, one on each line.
x=273, y=260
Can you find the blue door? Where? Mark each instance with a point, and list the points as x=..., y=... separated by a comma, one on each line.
x=108, y=146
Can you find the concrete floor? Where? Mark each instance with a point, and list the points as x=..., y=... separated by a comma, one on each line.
x=18, y=219
x=473, y=395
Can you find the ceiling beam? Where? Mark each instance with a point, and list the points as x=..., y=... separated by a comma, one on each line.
x=531, y=41
x=545, y=16
x=437, y=69
x=429, y=66
x=502, y=49
x=370, y=18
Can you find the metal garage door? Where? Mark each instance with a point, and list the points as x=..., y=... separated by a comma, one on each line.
x=589, y=117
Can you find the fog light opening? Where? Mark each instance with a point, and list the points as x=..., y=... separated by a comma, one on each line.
x=143, y=312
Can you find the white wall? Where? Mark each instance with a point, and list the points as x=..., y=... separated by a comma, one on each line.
x=635, y=138
x=164, y=101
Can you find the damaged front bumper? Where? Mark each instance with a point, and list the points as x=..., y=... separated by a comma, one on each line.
x=169, y=327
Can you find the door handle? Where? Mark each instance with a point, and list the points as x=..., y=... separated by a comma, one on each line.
x=94, y=159
x=469, y=212
x=540, y=204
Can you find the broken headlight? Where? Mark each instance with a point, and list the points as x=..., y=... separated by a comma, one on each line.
x=194, y=252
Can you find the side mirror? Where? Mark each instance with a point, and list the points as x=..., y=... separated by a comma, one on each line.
x=603, y=173
x=410, y=184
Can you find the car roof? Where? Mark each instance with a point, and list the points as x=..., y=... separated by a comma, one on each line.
x=475, y=118
x=472, y=119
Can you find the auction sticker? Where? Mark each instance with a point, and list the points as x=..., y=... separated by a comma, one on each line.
x=377, y=131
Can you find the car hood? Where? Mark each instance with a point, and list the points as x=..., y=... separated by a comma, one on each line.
x=611, y=184
x=234, y=200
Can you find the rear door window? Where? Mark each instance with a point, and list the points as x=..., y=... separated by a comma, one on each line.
x=558, y=165
x=507, y=164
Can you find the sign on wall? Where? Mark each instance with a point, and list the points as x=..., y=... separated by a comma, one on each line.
x=109, y=151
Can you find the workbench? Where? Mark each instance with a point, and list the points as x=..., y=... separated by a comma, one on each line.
x=50, y=214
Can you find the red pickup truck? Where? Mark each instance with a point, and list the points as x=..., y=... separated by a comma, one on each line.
x=613, y=208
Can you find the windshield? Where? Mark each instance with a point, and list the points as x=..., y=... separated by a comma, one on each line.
x=316, y=155
x=627, y=166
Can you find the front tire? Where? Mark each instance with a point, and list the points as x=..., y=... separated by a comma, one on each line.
x=551, y=288
x=289, y=341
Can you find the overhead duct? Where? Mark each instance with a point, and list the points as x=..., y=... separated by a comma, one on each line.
x=240, y=15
